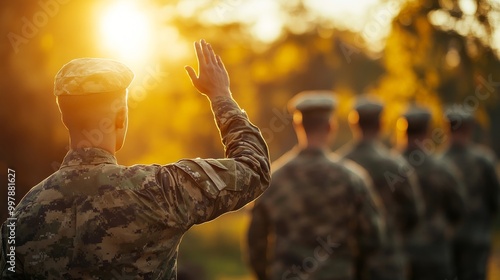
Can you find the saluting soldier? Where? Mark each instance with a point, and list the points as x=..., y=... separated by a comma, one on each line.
x=320, y=212
x=429, y=246
x=96, y=219
x=472, y=244
x=395, y=184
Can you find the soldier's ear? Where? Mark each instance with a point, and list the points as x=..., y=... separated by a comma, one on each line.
x=121, y=118
x=333, y=124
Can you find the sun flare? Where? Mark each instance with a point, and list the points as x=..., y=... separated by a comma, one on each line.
x=126, y=30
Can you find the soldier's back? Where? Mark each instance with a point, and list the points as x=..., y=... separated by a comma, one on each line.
x=97, y=215
x=472, y=244
x=477, y=167
x=398, y=190
x=313, y=205
x=429, y=246
x=392, y=179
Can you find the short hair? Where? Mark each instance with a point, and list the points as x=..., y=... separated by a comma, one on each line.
x=314, y=120
x=80, y=110
x=369, y=121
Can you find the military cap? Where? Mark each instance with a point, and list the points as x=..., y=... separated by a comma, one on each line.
x=312, y=100
x=458, y=113
x=84, y=76
x=366, y=107
x=418, y=119
x=417, y=115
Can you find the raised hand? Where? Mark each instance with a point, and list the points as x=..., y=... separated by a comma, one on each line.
x=212, y=79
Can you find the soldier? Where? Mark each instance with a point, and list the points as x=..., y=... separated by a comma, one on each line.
x=477, y=164
x=429, y=246
x=96, y=219
x=319, y=212
x=396, y=186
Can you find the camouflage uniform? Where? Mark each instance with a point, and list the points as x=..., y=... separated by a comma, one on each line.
x=95, y=219
x=473, y=240
x=397, y=188
x=317, y=216
x=429, y=246
x=400, y=196
x=319, y=213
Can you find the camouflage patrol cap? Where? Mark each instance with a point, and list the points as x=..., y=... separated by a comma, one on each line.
x=458, y=117
x=368, y=108
x=418, y=119
x=417, y=115
x=366, y=113
x=458, y=112
x=84, y=76
x=312, y=100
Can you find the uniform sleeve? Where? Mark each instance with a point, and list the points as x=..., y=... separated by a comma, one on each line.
x=410, y=200
x=492, y=186
x=207, y=188
x=370, y=216
x=453, y=196
x=257, y=241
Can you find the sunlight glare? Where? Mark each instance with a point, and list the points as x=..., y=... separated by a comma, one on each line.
x=125, y=30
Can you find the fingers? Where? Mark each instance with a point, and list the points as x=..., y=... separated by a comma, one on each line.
x=219, y=61
x=210, y=53
x=191, y=73
x=199, y=54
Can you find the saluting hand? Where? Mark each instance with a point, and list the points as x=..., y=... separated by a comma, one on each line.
x=212, y=80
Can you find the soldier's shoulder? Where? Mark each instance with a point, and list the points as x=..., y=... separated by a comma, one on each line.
x=347, y=165
x=484, y=153
x=283, y=164
x=443, y=167
x=356, y=173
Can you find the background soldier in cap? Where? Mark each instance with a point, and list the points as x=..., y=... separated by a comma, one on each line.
x=429, y=246
x=96, y=219
x=477, y=164
x=319, y=212
x=397, y=189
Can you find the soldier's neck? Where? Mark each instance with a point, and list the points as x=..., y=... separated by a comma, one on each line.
x=315, y=142
x=93, y=139
x=369, y=136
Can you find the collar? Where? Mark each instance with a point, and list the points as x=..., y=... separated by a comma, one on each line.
x=88, y=156
x=312, y=151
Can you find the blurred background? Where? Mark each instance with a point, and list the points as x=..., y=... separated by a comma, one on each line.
x=426, y=52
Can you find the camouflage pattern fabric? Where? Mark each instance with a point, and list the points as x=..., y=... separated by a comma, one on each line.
x=429, y=246
x=401, y=197
x=473, y=238
x=317, y=215
x=84, y=76
x=95, y=219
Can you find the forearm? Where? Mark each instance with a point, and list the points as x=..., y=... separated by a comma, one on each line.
x=246, y=150
x=226, y=184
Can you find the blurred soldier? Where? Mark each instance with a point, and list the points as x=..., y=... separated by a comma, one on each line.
x=397, y=187
x=96, y=219
x=477, y=164
x=429, y=246
x=319, y=211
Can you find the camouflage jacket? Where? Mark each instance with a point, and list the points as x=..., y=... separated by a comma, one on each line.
x=400, y=194
x=444, y=194
x=316, y=217
x=477, y=166
x=95, y=219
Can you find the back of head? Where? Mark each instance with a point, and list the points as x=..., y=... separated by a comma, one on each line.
x=459, y=119
x=366, y=115
x=90, y=89
x=312, y=110
x=418, y=121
